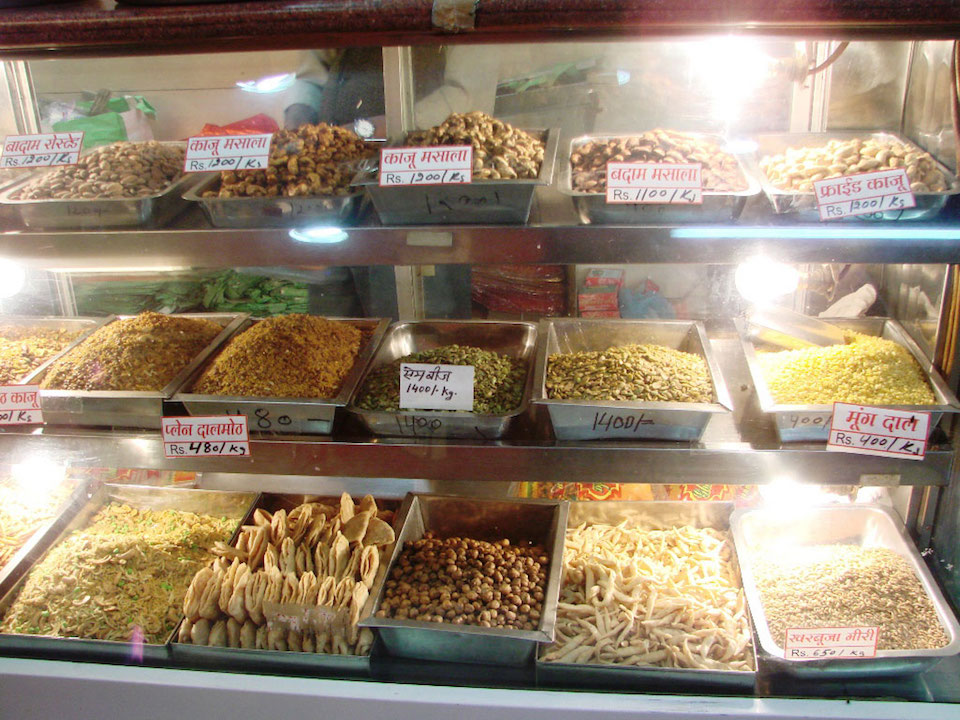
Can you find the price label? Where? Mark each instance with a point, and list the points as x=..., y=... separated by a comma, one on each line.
x=866, y=430
x=620, y=423
x=47, y=150
x=228, y=152
x=831, y=643
x=20, y=405
x=205, y=436
x=862, y=194
x=446, y=165
x=654, y=183
x=436, y=387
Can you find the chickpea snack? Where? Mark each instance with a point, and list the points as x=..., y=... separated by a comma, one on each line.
x=486, y=571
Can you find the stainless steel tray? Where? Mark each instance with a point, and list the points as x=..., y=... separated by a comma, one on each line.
x=862, y=525
x=214, y=502
x=273, y=212
x=798, y=423
x=540, y=521
x=43, y=538
x=595, y=419
x=96, y=213
x=478, y=202
x=714, y=515
x=118, y=408
x=515, y=339
x=716, y=207
x=286, y=415
x=86, y=325
x=805, y=204
x=276, y=661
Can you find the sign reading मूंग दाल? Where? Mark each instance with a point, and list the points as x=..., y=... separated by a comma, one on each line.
x=228, y=152
x=654, y=183
x=831, y=643
x=436, y=387
x=47, y=150
x=441, y=165
x=863, y=194
x=20, y=405
x=866, y=430
x=205, y=436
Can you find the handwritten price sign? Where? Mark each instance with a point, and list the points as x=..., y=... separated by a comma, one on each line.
x=20, y=405
x=436, y=387
x=831, y=643
x=865, y=430
x=654, y=183
x=205, y=436
x=447, y=165
x=229, y=152
x=46, y=150
x=863, y=194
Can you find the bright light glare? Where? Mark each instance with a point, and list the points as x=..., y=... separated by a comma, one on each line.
x=37, y=478
x=786, y=492
x=730, y=69
x=12, y=278
x=319, y=235
x=269, y=84
x=760, y=280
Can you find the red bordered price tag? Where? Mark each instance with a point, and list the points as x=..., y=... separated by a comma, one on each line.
x=205, y=436
x=863, y=194
x=20, y=405
x=654, y=183
x=854, y=643
x=228, y=152
x=47, y=150
x=443, y=165
x=866, y=430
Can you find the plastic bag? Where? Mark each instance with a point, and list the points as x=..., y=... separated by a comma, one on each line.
x=126, y=118
x=253, y=125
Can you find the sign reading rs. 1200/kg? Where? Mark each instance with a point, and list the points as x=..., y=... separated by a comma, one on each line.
x=660, y=183
x=445, y=165
x=45, y=150
x=228, y=152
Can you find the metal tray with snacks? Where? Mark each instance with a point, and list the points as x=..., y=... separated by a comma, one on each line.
x=273, y=212
x=538, y=521
x=652, y=515
x=284, y=661
x=514, y=339
x=43, y=537
x=596, y=419
x=866, y=526
x=593, y=208
x=495, y=202
x=212, y=502
x=119, y=408
x=96, y=213
x=84, y=325
x=804, y=204
x=312, y=416
x=811, y=423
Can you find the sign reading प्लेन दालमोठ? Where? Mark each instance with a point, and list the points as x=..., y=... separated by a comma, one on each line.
x=205, y=436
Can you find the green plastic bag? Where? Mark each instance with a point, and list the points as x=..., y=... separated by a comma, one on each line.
x=127, y=118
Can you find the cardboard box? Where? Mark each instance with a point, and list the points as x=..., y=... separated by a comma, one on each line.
x=598, y=298
x=600, y=313
x=602, y=277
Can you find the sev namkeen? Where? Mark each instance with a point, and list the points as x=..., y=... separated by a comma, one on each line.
x=124, y=574
x=287, y=356
x=140, y=353
x=651, y=597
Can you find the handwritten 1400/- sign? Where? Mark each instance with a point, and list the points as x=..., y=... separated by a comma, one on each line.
x=436, y=387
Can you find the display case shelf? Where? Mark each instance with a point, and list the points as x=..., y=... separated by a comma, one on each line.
x=103, y=26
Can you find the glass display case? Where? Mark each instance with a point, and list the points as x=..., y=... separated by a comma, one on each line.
x=479, y=360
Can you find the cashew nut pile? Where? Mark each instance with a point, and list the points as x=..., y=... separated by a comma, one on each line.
x=500, y=151
x=798, y=168
x=295, y=581
x=120, y=171
x=311, y=160
x=719, y=169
